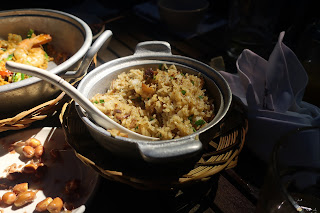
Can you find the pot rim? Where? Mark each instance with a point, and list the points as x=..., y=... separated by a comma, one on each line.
x=87, y=34
x=158, y=57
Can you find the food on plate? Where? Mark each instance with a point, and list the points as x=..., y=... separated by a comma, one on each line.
x=32, y=167
x=12, y=168
x=9, y=198
x=42, y=205
x=55, y=206
x=50, y=205
x=24, y=197
x=38, y=151
x=164, y=103
x=31, y=148
x=21, y=187
x=28, y=51
x=28, y=176
x=19, y=196
x=28, y=151
x=33, y=142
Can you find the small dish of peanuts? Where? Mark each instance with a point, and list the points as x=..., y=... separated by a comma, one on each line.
x=39, y=172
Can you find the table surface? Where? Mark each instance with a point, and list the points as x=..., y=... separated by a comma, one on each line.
x=233, y=190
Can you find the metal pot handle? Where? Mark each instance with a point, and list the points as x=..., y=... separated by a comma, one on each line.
x=104, y=38
x=157, y=152
x=147, y=47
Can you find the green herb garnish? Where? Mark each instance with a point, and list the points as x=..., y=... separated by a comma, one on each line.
x=10, y=57
x=199, y=122
x=46, y=56
x=16, y=77
x=183, y=92
x=30, y=32
x=101, y=101
x=192, y=82
x=200, y=96
x=96, y=102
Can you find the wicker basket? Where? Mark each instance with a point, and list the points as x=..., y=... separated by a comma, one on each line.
x=220, y=153
x=26, y=118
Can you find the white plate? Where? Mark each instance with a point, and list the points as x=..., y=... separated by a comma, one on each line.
x=59, y=171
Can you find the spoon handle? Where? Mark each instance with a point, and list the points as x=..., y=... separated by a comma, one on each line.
x=55, y=80
x=98, y=116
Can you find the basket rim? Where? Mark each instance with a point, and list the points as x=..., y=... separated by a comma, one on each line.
x=228, y=147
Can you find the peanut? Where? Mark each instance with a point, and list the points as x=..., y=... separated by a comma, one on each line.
x=9, y=198
x=24, y=198
x=38, y=151
x=33, y=142
x=29, y=168
x=18, y=188
x=55, y=206
x=28, y=151
x=42, y=205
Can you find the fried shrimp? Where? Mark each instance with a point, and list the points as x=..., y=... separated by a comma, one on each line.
x=25, y=53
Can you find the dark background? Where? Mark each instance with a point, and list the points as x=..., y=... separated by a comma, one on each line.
x=298, y=18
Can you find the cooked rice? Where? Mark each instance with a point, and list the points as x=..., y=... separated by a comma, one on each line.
x=164, y=103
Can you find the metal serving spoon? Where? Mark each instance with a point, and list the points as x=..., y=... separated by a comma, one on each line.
x=98, y=116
